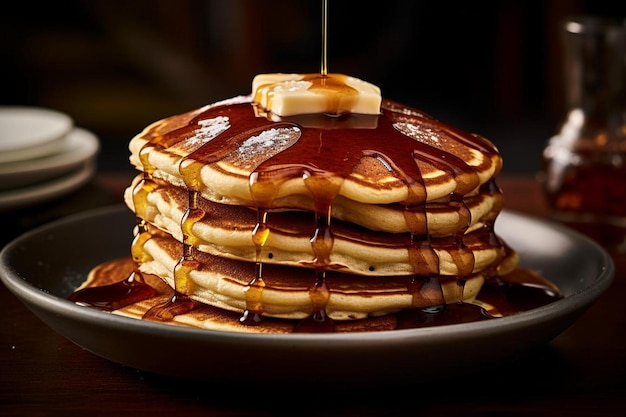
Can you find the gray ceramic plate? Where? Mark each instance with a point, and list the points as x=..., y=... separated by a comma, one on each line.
x=43, y=267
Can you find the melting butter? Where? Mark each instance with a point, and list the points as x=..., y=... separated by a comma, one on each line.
x=293, y=94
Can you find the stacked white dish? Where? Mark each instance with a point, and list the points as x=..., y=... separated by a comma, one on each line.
x=43, y=155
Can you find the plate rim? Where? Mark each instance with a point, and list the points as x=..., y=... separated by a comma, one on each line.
x=42, y=142
x=47, y=190
x=81, y=144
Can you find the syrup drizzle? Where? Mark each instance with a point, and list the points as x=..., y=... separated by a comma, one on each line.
x=254, y=290
x=324, y=69
x=180, y=302
x=324, y=158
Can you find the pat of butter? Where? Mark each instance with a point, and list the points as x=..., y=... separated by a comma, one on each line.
x=293, y=94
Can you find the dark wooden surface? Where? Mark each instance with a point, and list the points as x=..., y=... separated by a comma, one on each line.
x=582, y=372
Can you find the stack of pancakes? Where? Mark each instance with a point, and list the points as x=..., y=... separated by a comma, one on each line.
x=340, y=216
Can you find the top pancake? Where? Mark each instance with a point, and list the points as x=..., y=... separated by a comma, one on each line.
x=230, y=154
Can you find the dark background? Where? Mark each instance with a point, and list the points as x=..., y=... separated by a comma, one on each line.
x=491, y=67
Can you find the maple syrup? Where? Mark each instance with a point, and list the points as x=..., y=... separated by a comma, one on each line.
x=584, y=164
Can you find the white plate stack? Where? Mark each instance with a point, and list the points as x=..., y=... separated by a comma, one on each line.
x=43, y=155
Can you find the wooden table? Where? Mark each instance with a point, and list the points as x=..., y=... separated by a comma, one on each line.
x=582, y=372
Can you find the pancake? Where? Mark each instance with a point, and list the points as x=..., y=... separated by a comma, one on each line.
x=229, y=147
x=227, y=231
x=437, y=219
x=207, y=317
x=286, y=292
